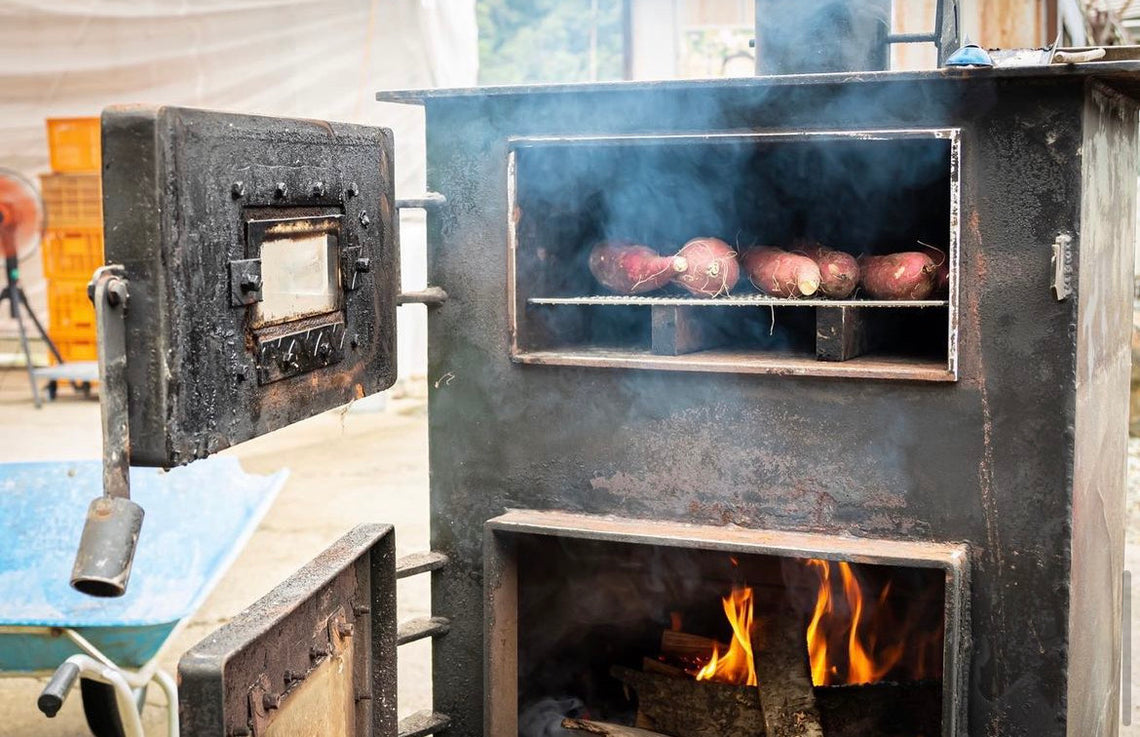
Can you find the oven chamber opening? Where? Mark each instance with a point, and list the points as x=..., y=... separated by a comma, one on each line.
x=617, y=621
x=865, y=193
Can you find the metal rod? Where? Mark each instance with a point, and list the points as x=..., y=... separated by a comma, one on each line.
x=912, y=38
x=432, y=297
x=733, y=301
x=425, y=201
x=107, y=545
x=110, y=299
x=422, y=628
x=416, y=563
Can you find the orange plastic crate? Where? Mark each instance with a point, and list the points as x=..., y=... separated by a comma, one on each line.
x=76, y=349
x=71, y=315
x=72, y=253
x=73, y=144
x=73, y=200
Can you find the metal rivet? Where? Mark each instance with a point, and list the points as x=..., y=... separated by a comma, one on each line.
x=318, y=189
x=344, y=629
x=281, y=189
x=364, y=220
x=355, y=341
x=363, y=265
x=237, y=189
x=361, y=609
x=270, y=701
x=251, y=283
x=353, y=190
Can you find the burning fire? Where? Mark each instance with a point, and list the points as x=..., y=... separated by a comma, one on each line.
x=736, y=665
x=845, y=636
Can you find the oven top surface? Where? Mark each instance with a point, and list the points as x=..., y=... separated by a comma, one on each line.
x=1124, y=73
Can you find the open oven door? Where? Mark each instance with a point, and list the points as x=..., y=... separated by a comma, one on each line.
x=261, y=261
x=252, y=280
x=316, y=656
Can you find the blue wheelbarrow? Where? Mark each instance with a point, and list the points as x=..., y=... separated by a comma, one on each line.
x=198, y=518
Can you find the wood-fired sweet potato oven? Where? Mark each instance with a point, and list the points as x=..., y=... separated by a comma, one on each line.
x=728, y=512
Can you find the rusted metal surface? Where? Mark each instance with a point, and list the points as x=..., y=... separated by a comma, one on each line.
x=744, y=362
x=986, y=462
x=334, y=622
x=190, y=198
x=1100, y=428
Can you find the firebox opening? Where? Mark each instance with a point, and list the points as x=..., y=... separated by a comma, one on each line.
x=684, y=638
x=866, y=194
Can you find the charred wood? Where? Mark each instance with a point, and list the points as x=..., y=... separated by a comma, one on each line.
x=606, y=729
x=690, y=708
x=882, y=709
x=784, y=675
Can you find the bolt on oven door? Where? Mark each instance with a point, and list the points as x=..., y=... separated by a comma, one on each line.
x=262, y=258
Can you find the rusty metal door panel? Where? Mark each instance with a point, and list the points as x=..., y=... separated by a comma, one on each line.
x=263, y=266
x=317, y=655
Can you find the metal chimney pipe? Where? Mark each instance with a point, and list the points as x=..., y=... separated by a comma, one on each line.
x=813, y=36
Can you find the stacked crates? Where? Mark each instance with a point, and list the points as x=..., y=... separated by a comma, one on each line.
x=73, y=236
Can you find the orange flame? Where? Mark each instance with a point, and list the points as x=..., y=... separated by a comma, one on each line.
x=866, y=661
x=736, y=666
x=817, y=641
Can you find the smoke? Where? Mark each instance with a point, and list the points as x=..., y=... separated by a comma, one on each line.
x=544, y=717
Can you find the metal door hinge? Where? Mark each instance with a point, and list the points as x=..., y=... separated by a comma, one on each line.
x=1062, y=266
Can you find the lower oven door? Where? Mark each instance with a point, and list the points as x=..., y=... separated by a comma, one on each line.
x=316, y=655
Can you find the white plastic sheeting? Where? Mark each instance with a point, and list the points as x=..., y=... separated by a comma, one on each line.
x=303, y=58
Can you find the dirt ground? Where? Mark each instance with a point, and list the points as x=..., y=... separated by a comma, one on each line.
x=380, y=476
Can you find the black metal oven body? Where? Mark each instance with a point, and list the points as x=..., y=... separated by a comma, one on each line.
x=992, y=453
x=1020, y=458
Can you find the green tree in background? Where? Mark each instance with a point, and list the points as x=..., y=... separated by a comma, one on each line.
x=523, y=41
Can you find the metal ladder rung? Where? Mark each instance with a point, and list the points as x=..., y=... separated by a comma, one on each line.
x=416, y=563
x=426, y=201
x=418, y=629
x=423, y=723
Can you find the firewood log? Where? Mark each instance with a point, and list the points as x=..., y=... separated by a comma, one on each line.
x=690, y=708
x=688, y=647
x=606, y=729
x=784, y=675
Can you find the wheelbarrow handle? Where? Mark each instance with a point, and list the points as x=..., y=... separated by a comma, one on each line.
x=55, y=692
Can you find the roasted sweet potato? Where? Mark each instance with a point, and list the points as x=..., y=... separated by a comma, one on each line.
x=706, y=267
x=838, y=271
x=630, y=268
x=778, y=273
x=903, y=276
x=942, y=270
